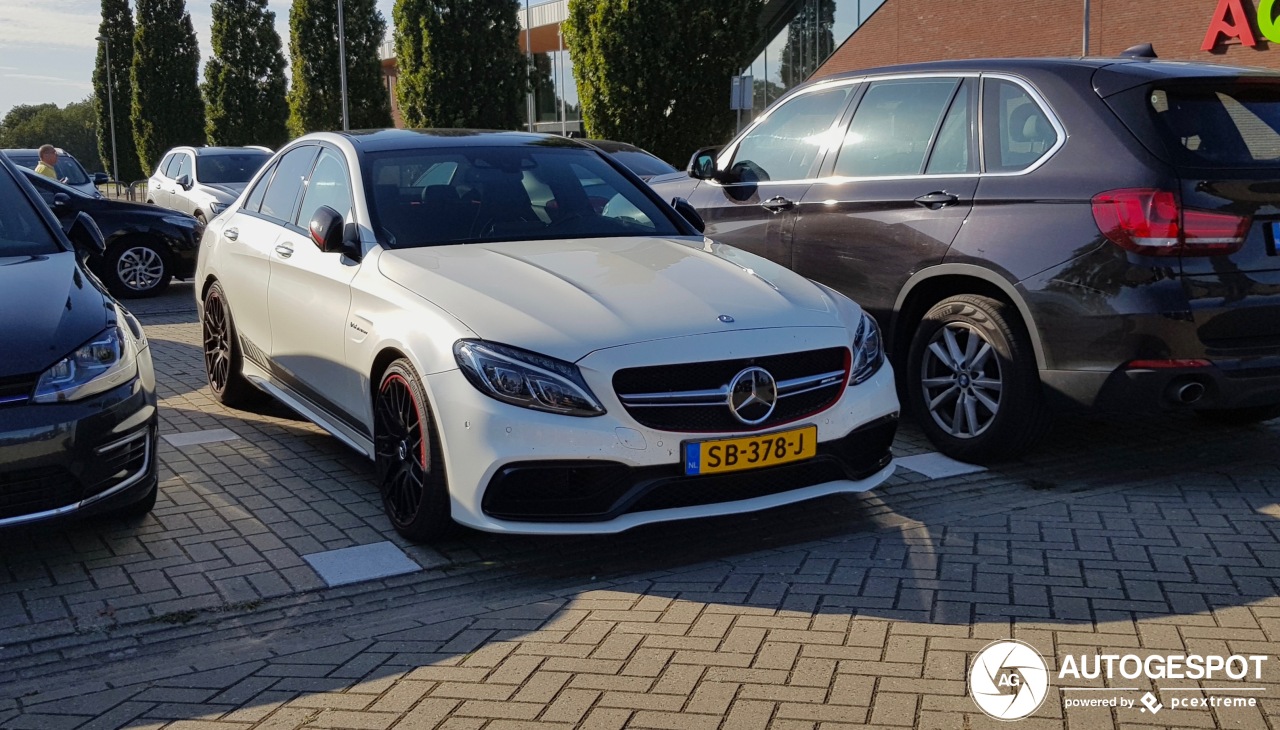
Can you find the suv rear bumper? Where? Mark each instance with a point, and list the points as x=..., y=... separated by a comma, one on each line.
x=1220, y=385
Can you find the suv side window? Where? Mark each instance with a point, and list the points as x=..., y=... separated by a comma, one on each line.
x=1016, y=131
x=164, y=164
x=171, y=169
x=184, y=166
x=786, y=145
x=254, y=201
x=893, y=127
x=953, y=151
x=328, y=186
x=286, y=185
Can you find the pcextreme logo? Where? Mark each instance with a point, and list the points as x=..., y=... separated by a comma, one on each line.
x=1230, y=21
x=1009, y=680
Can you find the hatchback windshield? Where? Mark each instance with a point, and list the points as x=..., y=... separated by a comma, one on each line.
x=22, y=232
x=68, y=168
x=478, y=194
x=1220, y=126
x=235, y=167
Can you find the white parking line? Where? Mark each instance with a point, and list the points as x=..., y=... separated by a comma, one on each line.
x=361, y=563
x=207, y=436
x=937, y=466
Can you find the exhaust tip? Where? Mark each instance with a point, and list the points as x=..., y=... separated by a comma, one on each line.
x=1188, y=393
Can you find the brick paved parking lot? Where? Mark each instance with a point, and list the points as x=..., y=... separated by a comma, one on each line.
x=1123, y=536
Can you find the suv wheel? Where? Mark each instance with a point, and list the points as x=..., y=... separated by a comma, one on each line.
x=972, y=380
x=407, y=458
x=136, y=268
x=222, y=358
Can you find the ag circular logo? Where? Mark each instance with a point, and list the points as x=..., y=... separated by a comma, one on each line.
x=1008, y=680
x=752, y=395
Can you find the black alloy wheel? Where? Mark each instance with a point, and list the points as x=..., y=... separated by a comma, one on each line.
x=222, y=358
x=407, y=459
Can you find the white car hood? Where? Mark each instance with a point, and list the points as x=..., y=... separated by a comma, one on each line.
x=569, y=298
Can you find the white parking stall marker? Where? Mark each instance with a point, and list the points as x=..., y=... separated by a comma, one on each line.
x=208, y=436
x=361, y=563
x=937, y=466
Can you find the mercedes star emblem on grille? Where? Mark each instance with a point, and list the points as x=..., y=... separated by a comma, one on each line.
x=752, y=395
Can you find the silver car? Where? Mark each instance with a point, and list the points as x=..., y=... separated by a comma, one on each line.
x=203, y=181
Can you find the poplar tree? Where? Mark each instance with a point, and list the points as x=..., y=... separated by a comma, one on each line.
x=117, y=28
x=315, y=100
x=244, y=86
x=663, y=85
x=459, y=63
x=167, y=108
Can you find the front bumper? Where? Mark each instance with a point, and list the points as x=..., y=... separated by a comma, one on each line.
x=619, y=474
x=70, y=460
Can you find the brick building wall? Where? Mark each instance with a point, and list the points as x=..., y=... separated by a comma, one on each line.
x=906, y=31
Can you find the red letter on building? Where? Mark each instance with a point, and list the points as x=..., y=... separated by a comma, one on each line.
x=1237, y=27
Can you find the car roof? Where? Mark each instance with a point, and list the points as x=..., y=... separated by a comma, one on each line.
x=1139, y=67
x=202, y=151
x=379, y=140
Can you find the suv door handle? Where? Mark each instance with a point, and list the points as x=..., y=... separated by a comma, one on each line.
x=285, y=250
x=938, y=199
x=231, y=233
x=777, y=204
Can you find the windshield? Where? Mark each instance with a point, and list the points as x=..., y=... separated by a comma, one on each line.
x=642, y=163
x=480, y=194
x=1220, y=125
x=237, y=167
x=22, y=231
x=68, y=168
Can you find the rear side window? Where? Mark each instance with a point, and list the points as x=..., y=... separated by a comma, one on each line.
x=1219, y=127
x=282, y=193
x=893, y=126
x=1017, y=131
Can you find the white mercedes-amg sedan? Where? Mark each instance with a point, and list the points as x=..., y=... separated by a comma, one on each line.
x=524, y=338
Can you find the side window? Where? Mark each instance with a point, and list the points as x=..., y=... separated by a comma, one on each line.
x=44, y=189
x=171, y=169
x=952, y=152
x=787, y=143
x=282, y=193
x=328, y=186
x=1016, y=131
x=254, y=201
x=893, y=126
x=184, y=166
x=164, y=164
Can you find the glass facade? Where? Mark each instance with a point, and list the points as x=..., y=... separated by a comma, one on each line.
x=554, y=105
x=796, y=52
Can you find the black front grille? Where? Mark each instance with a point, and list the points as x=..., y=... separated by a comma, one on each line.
x=595, y=491
x=717, y=374
x=17, y=389
x=118, y=462
x=36, y=490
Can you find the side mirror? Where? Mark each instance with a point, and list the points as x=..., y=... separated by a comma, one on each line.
x=702, y=166
x=326, y=229
x=85, y=236
x=184, y=182
x=100, y=178
x=689, y=213
x=61, y=200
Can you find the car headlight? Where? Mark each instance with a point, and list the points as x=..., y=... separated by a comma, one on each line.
x=526, y=379
x=108, y=360
x=217, y=208
x=868, y=350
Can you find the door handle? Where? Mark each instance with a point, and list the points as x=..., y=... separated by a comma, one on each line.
x=231, y=233
x=284, y=250
x=938, y=199
x=777, y=204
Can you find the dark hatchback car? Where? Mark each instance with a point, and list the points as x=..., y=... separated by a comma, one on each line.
x=644, y=164
x=1032, y=232
x=146, y=246
x=78, y=419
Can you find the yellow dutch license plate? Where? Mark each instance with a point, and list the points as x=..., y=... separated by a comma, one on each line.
x=750, y=452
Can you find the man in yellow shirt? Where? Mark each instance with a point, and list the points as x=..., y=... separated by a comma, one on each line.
x=48, y=162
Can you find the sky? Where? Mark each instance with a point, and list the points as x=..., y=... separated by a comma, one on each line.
x=47, y=47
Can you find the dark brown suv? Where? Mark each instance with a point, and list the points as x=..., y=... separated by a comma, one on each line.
x=1032, y=232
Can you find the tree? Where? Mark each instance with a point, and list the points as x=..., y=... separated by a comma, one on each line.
x=167, y=108
x=460, y=63
x=72, y=128
x=659, y=84
x=244, y=80
x=117, y=28
x=315, y=100
x=809, y=41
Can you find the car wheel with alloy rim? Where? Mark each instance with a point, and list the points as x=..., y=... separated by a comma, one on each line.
x=223, y=361
x=407, y=457
x=136, y=267
x=972, y=380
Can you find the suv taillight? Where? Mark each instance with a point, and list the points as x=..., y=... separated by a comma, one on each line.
x=1152, y=222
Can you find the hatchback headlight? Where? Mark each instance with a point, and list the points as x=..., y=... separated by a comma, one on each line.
x=526, y=379
x=104, y=362
x=868, y=350
x=217, y=208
